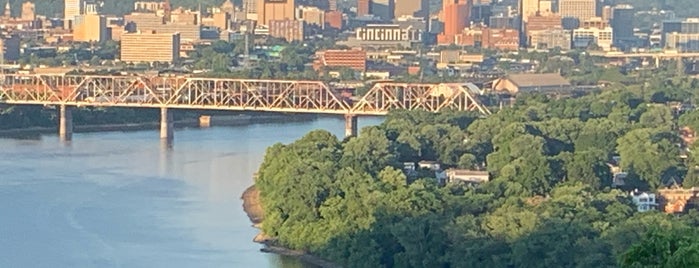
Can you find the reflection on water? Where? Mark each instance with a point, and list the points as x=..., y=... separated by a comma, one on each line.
x=119, y=199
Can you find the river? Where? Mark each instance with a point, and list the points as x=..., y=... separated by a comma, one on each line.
x=118, y=199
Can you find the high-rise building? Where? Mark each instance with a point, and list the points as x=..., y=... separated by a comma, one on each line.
x=269, y=10
x=28, y=11
x=455, y=14
x=222, y=20
x=578, y=9
x=150, y=47
x=681, y=35
x=416, y=8
x=538, y=23
x=90, y=28
x=9, y=48
x=71, y=9
x=289, y=30
x=622, y=23
x=250, y=8
x=334, y=19
x=311, y=15
x=528, y=8
x=383, y=9
x=332, y=5
x=363, y=7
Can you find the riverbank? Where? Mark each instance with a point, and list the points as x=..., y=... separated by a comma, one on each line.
x=253, y=208
x=224, y=120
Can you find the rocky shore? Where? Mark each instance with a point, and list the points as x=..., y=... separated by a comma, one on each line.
x=254, y=210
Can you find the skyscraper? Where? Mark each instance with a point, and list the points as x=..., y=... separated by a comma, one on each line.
x=383, y=9
x=72, y=8
x=528, y=8
x=578, y=9
x=269, y=10
x=363, y=7
x=250, y=8
x=456, y=14
x=622, y=23
x=411, y=8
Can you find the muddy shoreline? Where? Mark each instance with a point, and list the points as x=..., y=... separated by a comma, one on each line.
x=254, y=210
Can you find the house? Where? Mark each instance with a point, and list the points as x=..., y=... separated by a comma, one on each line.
x=529, y=83
x=467, y=176
x=678, y=200
x=618, y=176
x=408, y=166
x=644, y=201
x=431, y=165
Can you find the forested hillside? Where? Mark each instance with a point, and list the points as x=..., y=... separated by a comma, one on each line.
x=549, y=202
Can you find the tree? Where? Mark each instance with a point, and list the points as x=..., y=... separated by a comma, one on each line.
x=651, y=154
x=676, y=247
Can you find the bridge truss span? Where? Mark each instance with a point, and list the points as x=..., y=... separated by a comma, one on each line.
x=230, y=94
x=383, y=97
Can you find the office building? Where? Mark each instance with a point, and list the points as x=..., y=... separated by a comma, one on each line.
x=330, y=59
x=363, y=7
x=481, y=36
x=455, y=14
x=539, y=23
x=480, y=14
x=152, y=23
x=269, y=10
x=578, y=9
x=601, y=37
x=528, y=8
x=9, y=49
x=333, y=19
x=222, y=20
x=311, y=15
x=90, y=28
x=150, y=47
x=383, y=9
x=415, y=8
x=681, y=35
x=28, y=11
x=250, y=8
x=289, y=30
x=550, y=38
x=71, y=9
x=622, y=23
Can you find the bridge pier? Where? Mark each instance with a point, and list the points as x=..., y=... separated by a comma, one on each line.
x=166, y=125
x=204, y=121
x=65, y=123
x=350, y=125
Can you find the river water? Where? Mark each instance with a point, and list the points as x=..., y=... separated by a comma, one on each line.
x=118, y=199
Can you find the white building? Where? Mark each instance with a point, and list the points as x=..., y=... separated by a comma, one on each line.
x=467, y=176
x=583, y=37
x=644, y=201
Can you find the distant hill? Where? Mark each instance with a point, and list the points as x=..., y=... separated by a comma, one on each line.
x=54, y=8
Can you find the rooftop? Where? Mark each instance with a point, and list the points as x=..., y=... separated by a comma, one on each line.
x=538, y=80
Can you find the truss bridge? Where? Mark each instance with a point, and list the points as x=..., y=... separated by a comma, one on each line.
x=66, y=91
